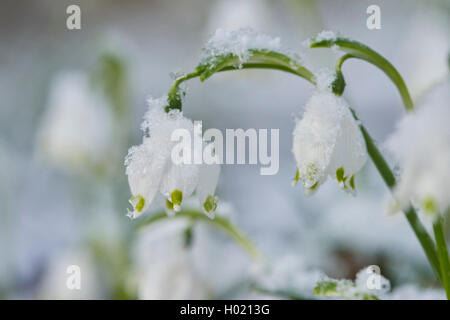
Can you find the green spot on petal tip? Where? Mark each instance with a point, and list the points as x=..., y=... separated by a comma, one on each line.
x=177, y=197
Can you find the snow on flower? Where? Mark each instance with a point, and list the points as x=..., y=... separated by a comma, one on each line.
x=77, y=125
x=421, y=144
x=238, y=43
x=327, y=141
x=152, y=175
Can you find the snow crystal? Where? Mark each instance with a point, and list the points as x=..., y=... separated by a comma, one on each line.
x=412, y=292
x=326, y=139
x=324, y=78
x=152, y=175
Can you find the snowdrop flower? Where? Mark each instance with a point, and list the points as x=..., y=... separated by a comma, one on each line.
x=421, y=144
x=153, y=175
x=327, y=142
x=77, y=125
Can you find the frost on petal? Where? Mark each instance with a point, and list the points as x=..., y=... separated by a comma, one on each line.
x=324, y=79
x=149, y=167
x=327, y=142
x=237, y=43
x=421, y=144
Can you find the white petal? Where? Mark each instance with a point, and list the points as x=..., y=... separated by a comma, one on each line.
x=145, y=167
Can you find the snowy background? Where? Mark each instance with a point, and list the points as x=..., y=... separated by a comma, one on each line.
x=63, y=187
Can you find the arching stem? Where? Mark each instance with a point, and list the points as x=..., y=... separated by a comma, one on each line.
x=259, y=59
x=358, y=50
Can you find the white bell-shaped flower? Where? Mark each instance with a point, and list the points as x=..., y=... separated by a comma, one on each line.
x=154, y=175
x=327, y=143
x=421, y=144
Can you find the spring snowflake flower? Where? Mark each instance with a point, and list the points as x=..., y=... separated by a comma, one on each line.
x=152, y=174
x=237, y=43
x=327, y=142
x=77, y=125
x=421, y=144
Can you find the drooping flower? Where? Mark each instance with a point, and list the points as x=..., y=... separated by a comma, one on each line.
x=327, y=142
x=152, y=173
x=421, y=144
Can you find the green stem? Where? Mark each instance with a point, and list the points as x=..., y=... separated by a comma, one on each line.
x=277, y=61
x=361, y=51
x=443, y=254
x=218, y=221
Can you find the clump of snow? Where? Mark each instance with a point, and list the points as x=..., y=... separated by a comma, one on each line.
x=238, y=43
x=324, y=78
x=322, y=36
